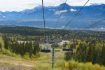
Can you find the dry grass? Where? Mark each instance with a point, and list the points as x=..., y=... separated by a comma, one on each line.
x=73, y=65
x=1, y=41
x=44, y=63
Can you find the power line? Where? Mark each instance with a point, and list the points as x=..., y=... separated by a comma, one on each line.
x=76, y=15
x=61, y=14
x=62, y=8
x=44, y=21
x=43, y=14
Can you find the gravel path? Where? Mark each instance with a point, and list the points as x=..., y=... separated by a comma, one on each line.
x=13, y=67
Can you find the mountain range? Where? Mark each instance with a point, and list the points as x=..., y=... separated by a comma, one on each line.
x=88, y=17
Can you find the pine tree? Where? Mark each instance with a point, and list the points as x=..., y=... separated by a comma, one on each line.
x=103, y=55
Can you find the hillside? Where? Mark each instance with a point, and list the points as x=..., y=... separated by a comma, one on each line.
x=23, y=49
x=1, y=41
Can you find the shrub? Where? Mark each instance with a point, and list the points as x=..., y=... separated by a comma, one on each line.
x=73, y=65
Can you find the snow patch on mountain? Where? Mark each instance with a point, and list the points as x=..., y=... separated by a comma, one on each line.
x=73, y=10
x=60, y=12
x=64, y=11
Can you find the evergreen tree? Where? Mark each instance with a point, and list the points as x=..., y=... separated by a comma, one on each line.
x=103, y=55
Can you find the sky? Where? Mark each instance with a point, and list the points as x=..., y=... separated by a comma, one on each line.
x=19, y=5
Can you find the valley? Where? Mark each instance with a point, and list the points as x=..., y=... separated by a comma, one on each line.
x=21, y=48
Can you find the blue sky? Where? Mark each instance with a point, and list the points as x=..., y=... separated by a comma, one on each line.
x=19, y=5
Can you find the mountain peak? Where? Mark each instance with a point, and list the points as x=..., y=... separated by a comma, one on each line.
x=64, y=6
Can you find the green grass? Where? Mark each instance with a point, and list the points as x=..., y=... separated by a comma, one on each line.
x=44, y=63
x=1, y=41
x=73, y=65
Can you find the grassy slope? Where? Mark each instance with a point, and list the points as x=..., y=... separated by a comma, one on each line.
x=1, y=41
x=44, y=63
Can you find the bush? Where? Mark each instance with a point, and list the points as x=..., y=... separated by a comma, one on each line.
x=73, y=65
x=8, y=53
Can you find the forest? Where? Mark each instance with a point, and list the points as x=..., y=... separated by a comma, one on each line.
x=87, y=46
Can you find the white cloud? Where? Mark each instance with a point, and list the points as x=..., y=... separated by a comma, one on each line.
x=19, y=5
x=81, y=2
x=16, y=5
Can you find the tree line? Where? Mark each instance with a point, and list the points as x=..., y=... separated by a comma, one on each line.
x=29, y=48
x=87, y=51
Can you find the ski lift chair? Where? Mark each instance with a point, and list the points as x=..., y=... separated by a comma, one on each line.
x=46, y=50
x=67, y=50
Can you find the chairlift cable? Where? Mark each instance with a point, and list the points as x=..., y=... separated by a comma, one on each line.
x=44, y=21
x=77, y=14
x=61, y=14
